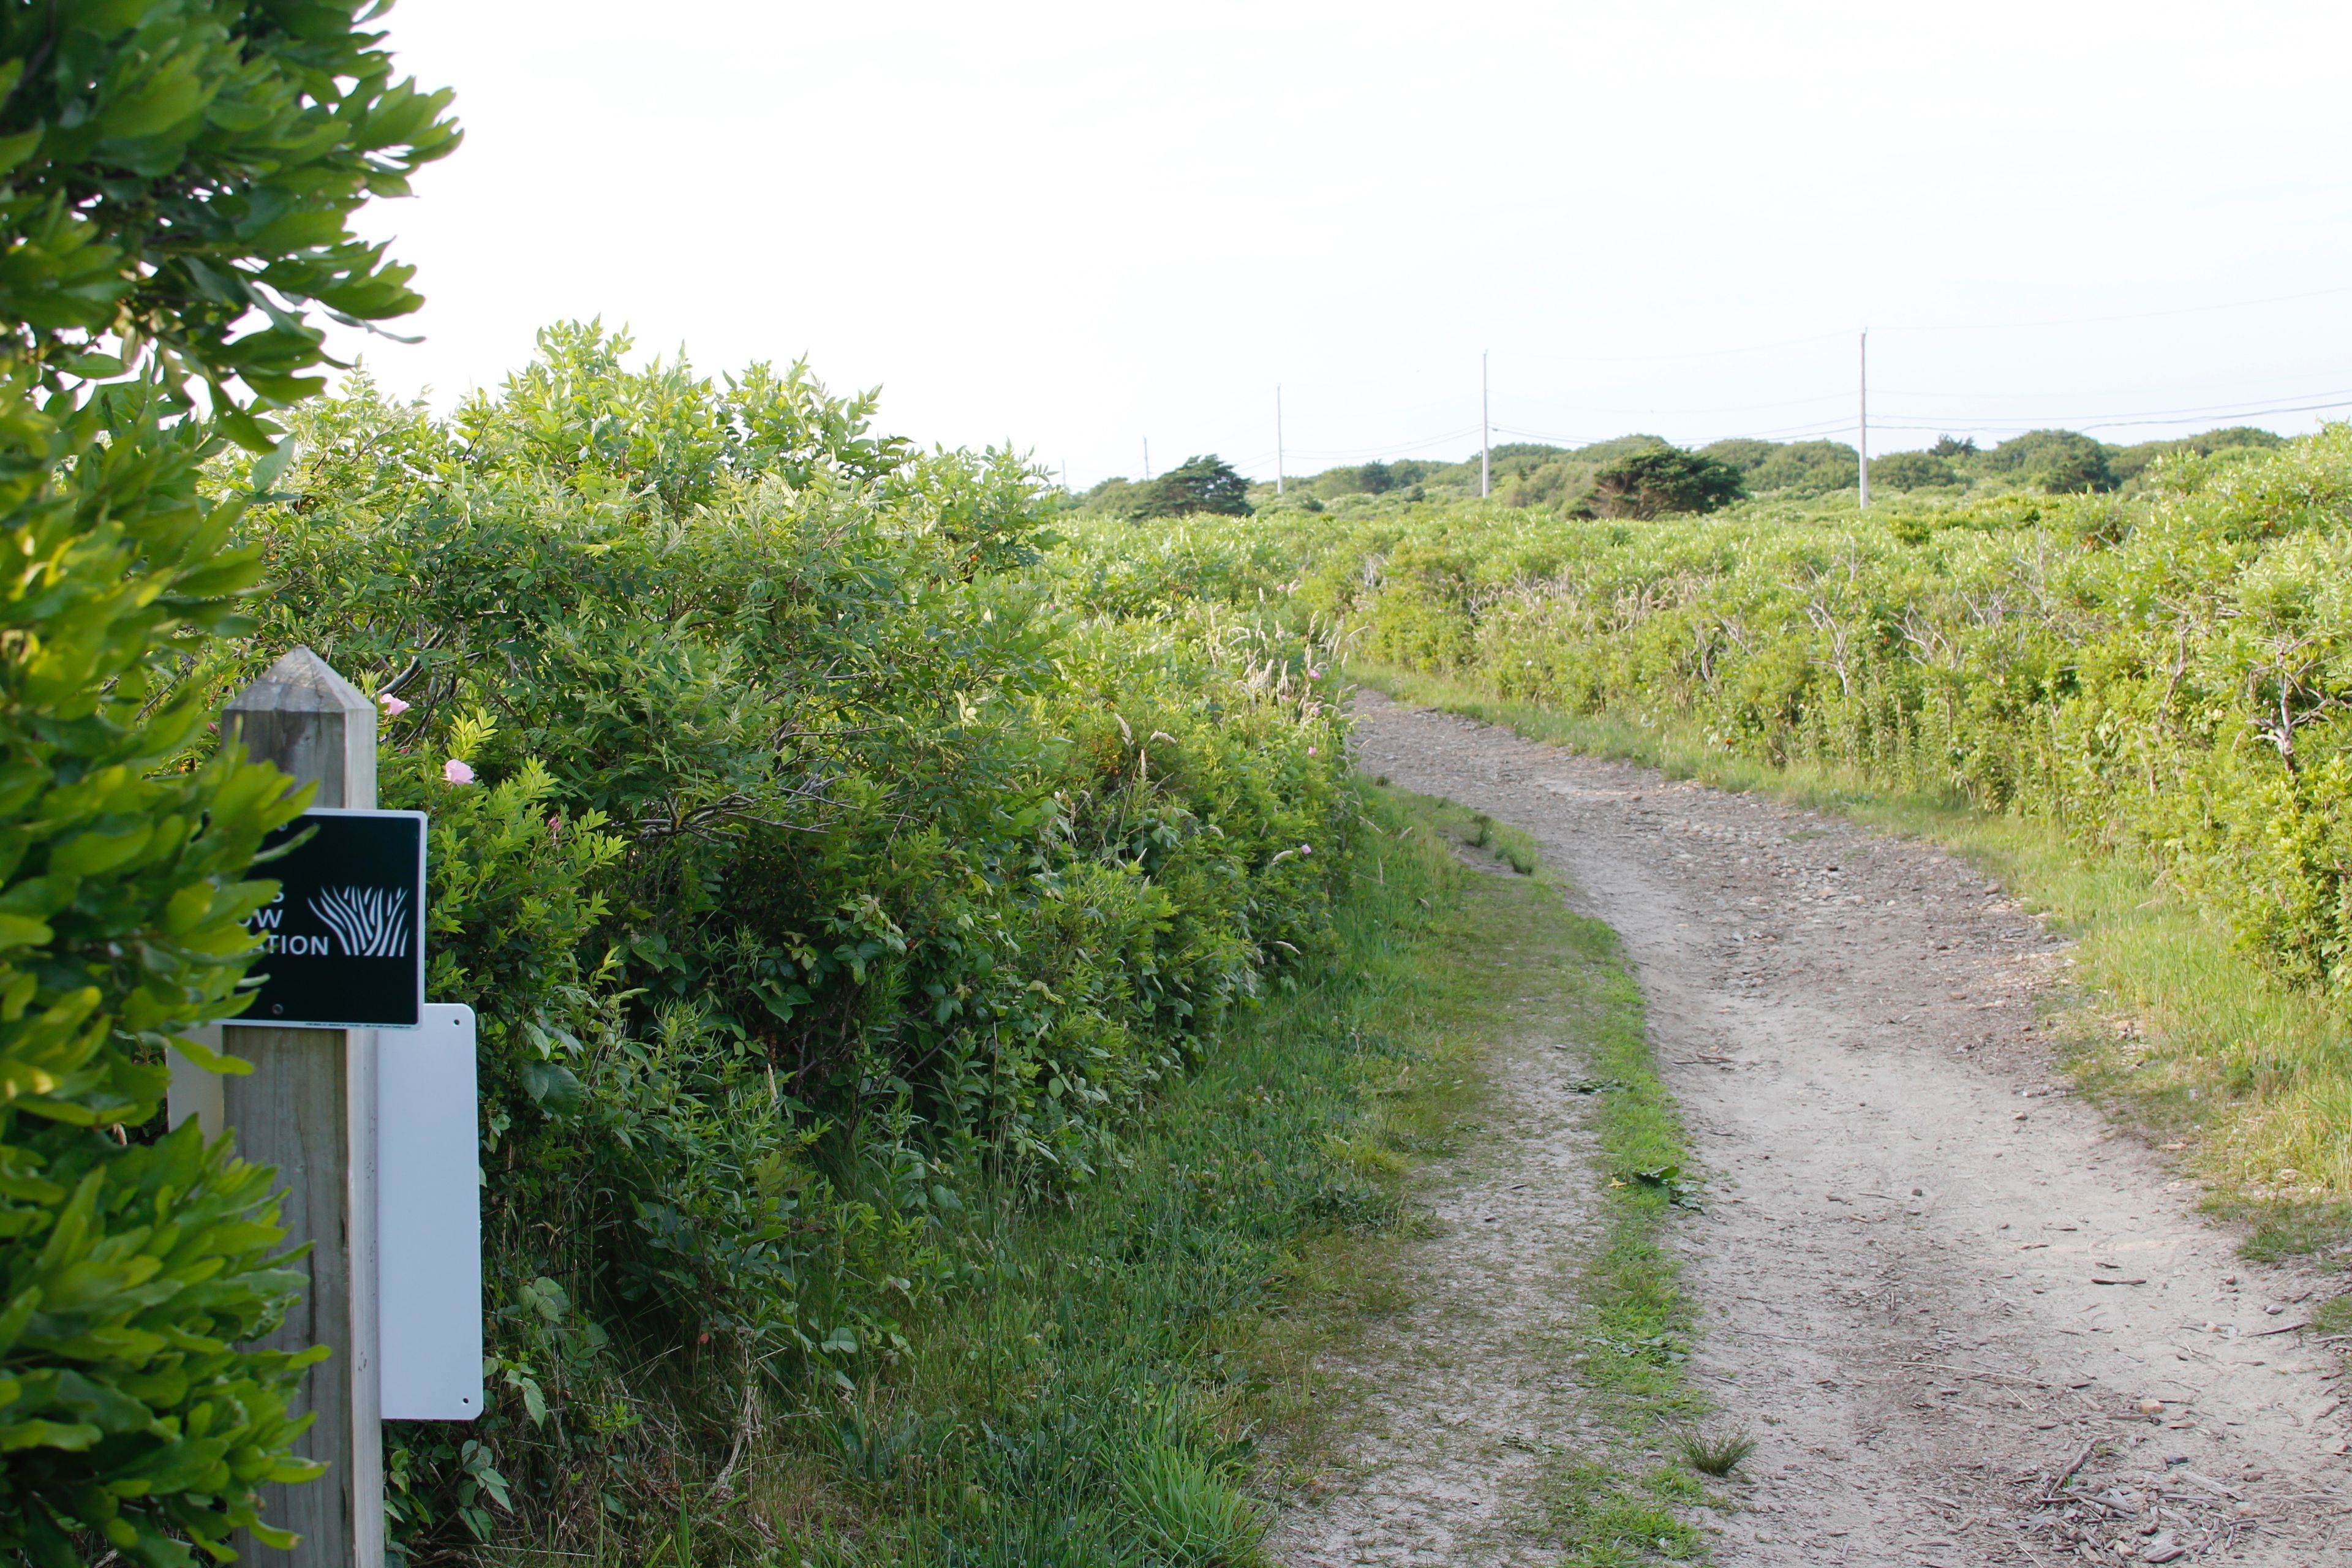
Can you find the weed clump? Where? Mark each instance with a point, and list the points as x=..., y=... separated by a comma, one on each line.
x=1714, y=1453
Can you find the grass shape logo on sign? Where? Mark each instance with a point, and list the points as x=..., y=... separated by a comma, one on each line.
x=370, y=922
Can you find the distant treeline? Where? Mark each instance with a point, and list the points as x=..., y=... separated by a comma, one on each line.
x=1640, y=475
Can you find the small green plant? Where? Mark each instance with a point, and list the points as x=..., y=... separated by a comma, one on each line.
x=1666, y=1179
x=2333, y=1316
x=1193, y=1517
x=1714, y=1453
x=872, y=1450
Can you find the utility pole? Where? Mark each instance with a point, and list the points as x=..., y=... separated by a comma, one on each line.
x=1863, y=431
x=1147, y=459
x=1277, y=437
x=1485, y=468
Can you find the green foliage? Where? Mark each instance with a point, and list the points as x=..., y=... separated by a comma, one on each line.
x=130, y=1412
x=2167, y=673
x=1913, y=471
x=1745, y=453
x=128, y=1269
x=1532, y=477
x=171, y=168
x=1198, y=484
x=1097, y=1387
x=1661, y=479
x=2129, y=463
x=1379, y=478
x=828, y=858
x=2060, y=461
x=1714, y=1453
x=1806, y=468
x=167, y=171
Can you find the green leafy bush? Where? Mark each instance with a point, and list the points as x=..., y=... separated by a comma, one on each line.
x=824, y=849
x=175, y=182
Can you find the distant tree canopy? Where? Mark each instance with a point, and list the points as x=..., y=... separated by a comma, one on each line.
x=1197, y=484
x=1745, y=453
x=1813, y=468
x=2056, y=460
x=1913, y=471
x=2130, y=462
x=1539, y=476
x=1659, y=480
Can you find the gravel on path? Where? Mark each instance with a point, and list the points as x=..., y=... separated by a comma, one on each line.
x=1931, y=1279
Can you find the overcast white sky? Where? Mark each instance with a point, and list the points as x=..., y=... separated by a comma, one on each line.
x=1077, y=227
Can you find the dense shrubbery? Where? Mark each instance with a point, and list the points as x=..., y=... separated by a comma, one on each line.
x=820, y=855
x=2171, y=671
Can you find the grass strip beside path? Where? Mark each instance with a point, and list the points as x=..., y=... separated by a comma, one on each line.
x=1615, y=1504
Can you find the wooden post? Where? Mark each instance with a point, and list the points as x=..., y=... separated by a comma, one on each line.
x=308, y=1108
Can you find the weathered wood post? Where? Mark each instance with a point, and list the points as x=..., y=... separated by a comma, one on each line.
x=308, y=1108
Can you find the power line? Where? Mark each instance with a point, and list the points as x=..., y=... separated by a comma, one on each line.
x=2202, y=410
x=1911, y=422
x=1971, y=327
x=1544, y=439
x=2128, y=316
x=1387, y=447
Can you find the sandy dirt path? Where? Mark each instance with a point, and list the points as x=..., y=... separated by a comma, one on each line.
x=1931, y=1279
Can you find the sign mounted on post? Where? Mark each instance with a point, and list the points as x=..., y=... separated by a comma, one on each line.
x=428, y=1229
x=343, y=945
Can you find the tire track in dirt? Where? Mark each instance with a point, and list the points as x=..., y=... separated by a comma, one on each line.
x=1458, y=1401
x=1931, y=1279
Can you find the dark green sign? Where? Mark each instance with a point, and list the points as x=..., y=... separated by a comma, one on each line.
x=344, y=943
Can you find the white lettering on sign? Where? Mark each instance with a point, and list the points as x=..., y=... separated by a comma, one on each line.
x=300, y=946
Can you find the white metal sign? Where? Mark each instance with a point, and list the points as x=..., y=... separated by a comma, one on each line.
x=428, y=1209
x=429, y=1220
